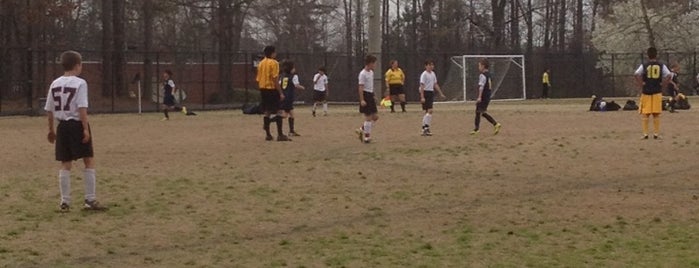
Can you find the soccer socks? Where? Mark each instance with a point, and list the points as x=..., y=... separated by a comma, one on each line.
x=315, y=105
x=64, y=185
x=656, y=124
x=402, y=106
x=265, y=125
x=490, y=119
x=644, y=122
x=291, y=124
x=427, y=120
x=279, y=121
x=90, y=184
x=477, y=121
x=367, y=128
x=325, y=107
x=166, y=114
x=393, y=109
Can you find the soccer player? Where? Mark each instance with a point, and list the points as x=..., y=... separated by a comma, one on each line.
x=428, y=84
x=320, y=90
x=484, y=91
x=650, y=77
x=546, y=83
x=169, y=91
x=395, y=79
x=271, y=93
x=673, y=87
x=289, y=83
x=367, y=103
x=67, y=102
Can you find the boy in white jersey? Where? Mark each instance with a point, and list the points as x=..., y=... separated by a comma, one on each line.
x=428, y=84
x=320, y=90
x=367, y=102
x=67, y=102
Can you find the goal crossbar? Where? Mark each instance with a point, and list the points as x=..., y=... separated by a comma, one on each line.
x=517, y=60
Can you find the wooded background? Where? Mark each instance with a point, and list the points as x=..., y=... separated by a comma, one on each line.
x=591, y=45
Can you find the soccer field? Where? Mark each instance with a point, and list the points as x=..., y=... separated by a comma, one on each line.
x=559, y=186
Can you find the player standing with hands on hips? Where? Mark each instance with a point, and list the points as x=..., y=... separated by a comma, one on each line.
x=484, y=92
x=650, y=77
x=428, y=84
x=67, y=102
x=367, y=103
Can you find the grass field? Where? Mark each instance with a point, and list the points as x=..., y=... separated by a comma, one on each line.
x=559, y=187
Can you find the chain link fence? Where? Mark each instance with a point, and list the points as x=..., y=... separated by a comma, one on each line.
x=227, y=81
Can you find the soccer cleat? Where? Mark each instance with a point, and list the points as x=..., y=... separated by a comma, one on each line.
x=645, y=137
x=184, y=110
x=366, y=140
x=426, y=132
x=474, y=132
x=94, y=206
x=497, y=128
x=164, y=119
x=283, y=138
x=656, y=137
x=64, y=207
x=314, y=113
x=269, y=138
x=294, y=134
x=360, y=133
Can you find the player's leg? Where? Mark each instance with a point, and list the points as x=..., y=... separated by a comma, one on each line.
x=313, y=110
x=90, y=185
x=367, y=127
x=426, y=122
x=64, y=184
x=279, y=120
x=292, y=122
x=394, y=99
x=656, y=125
x=644, y=123
x=165, y=112
x=401, y=98
x=325, y=107
x=476, y=122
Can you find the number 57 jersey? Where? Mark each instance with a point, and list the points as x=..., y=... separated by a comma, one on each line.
x=66, y=95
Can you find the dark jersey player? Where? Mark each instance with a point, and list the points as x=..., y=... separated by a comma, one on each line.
x=484, y=92
x=169, y=91
x=289, y=82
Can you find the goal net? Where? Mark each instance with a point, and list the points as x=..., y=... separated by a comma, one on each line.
x=507, y=77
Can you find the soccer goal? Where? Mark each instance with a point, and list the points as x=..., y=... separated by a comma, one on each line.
x=507, y=74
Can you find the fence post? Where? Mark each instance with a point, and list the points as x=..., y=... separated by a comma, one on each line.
x=30, y=81
x=613, y=76
x=203, y=81
x=157, y=81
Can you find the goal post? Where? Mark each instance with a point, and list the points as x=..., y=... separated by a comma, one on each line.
x=508, y=77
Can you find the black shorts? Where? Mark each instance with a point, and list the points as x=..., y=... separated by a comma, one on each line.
x=370, y=107
x=288, y=102
x=69, y=141
x=396, y=89
x=319, y=96
x=169, y=100
x=483, y=105
x=270, y=100
x=429, y=100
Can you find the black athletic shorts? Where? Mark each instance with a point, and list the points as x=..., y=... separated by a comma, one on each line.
x=288, y=102
x=319, y=96
x=169, y=100
x=270, y=100
x=396, y=89
x=483, y=105
x=370, y=107
x=429, y=100
x=69, y=141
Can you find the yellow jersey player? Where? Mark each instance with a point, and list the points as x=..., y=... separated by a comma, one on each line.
x=650, y=77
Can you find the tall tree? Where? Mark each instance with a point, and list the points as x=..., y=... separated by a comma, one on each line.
x=562, y=11
x=498, y=32
x=119, y=21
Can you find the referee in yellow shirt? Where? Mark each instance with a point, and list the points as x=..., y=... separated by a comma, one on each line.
x=271, y=93
x=395, y=79
x=547, y=83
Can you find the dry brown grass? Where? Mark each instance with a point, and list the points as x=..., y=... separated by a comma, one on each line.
x=559, y=187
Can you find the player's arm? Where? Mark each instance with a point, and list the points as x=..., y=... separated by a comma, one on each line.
x=481, y=84
x=639, y=77
x=667, y=75
x=439, y=89
x=275, y=77
x=52, y=134
x=296, y=82
x=86, y=126
x=388, y=78
x=362, y=102
x=402, y=77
